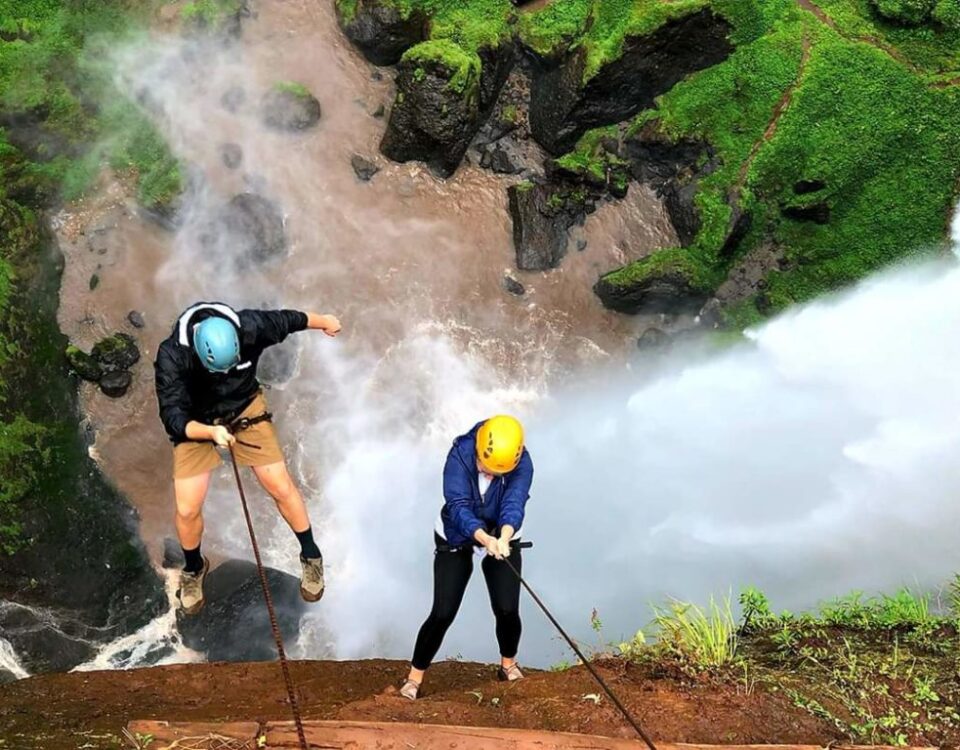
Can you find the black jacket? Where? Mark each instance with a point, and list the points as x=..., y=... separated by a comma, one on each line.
x=187, y=391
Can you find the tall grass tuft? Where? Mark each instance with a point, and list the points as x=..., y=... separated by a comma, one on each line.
x=706, y=638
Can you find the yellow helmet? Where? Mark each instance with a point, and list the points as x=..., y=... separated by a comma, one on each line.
x=500, y=444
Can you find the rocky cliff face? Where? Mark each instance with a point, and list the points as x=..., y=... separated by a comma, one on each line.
x=564, y=105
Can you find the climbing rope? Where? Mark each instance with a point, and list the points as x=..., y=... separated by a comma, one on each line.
x=277, y=636
x=583, y=659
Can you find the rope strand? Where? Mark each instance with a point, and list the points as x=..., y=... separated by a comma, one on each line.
x=274, y=626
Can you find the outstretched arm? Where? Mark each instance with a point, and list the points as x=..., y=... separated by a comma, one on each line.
x=327, y=323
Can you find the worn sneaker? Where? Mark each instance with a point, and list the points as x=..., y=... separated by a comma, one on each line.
x=311, y=582
x=510, y=674
x=410, y=689
x=190, y=592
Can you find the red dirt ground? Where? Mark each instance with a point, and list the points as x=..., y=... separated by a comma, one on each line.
x=90, y=709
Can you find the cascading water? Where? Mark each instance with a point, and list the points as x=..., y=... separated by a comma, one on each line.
x=813, y=458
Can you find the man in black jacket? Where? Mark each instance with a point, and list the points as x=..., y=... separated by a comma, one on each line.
x=209, y=396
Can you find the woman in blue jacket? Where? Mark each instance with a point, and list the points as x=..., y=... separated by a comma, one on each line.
x=486, y=484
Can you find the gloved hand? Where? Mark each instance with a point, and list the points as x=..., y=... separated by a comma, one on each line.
x=221, y=436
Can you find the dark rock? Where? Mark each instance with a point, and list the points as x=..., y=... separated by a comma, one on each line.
x=562, y=107
x=542, y=214
x=495, y=66
x=740, y=223
x=173, y=552
x=6, y=677
x=251, y=227
x=808, y=186
x=233, y=596
x=581, y=245
x=233, y=99
x=94, y=281
x=290, y=107
x=513, y=286
x=115, y=384
x=376, y=75
x=656, y=159
x=135, y=319
x=679, y=200
x=818, y=213
x=231, y=154
x=711, y=314
x=652, y=338
x=433, y=120
x=667, y=288
x=380, y=111
x=116, y=353
x=504, y=160
x=364, y=168
x=83, y=364
x=41, y=642
x=381, y=32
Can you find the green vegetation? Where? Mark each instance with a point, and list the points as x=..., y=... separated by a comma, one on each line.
x=805, y=103
x=589, y=158
x=293, y=88
x=673, y=262
x=210, y=13
x=882, y=670
x=67, y=121
x=463, y=68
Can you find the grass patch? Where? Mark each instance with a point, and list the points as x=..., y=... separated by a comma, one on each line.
x=705, y=638
x=210, y=12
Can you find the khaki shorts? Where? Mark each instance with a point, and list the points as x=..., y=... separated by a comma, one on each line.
x=198, y=457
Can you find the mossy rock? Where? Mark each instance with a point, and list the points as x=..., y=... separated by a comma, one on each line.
x=380, y=29
x=223, y=18
x=83, y=364
x=905, y=12
x=437, y=110
x=19, y=230
x=669, y=281
x=116, y=352
x=290, y=106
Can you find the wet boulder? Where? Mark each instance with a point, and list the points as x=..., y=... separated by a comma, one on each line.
x=363, y=168
x=542, y=213
x=43, y=644
x=381, y=30
x=666, y=282
x=582, y=92
x=6, y=676
x=289, y=106
x=116, y=384
x=233, y=624
x=436, y=112
x=231, y=154
x=250, y=228
x=116, y=353
x=444, y=94
x=135, y=318
x=513, y=286
x=83, y=364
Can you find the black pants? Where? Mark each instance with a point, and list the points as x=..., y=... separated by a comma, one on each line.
x=451, y=572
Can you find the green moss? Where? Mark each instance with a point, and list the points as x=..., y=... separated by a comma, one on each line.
x=463, y=68
x=555, y=28
x=347, y=9
x=931, y=47
x=669, y=262
x=294, y=88
x=510, y=114
x=472, y=24
x=589, y=158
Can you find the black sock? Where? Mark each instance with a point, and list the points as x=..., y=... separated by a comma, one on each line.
x=308, y=547
x=194, y=560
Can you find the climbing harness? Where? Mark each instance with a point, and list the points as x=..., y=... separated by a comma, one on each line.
x=274, y=626
x=583, y=659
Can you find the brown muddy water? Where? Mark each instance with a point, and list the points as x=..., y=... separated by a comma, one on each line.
x=405, y=256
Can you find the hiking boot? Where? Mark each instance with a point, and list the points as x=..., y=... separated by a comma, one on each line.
x=510, y=674
x=410, y=689
x=190, y=592
x=311, y=582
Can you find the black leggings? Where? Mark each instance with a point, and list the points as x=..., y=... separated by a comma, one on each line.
x=451, y=572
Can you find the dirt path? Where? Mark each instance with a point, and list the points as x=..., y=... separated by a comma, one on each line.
x=90, y=709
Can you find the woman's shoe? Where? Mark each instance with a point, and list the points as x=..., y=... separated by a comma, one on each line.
x=510, y=674
x=410, y=689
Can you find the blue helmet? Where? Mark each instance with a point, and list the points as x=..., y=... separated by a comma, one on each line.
x=216, y=342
